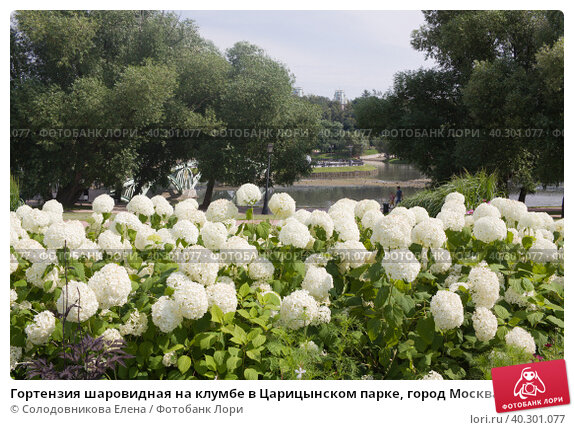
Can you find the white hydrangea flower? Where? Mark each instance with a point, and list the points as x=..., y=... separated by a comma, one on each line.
x=35, y=275
x=110, y=336
x=53, y=206
x=319, y=260
x=236, y=250
x=261, y=269
x=405, y=214
x=165, y=237
x=221, y=210
x=169, y=359
x=318, y=283
x=166, y=314
x=432, y=375
x=347, y=229
x=79, y=299
x=282, y=205
x=136, y=324
x=191, y=297
x=542, y=233
x=489, y=229
x=521, y=299
x=202, y=265
x=323, y=316
x=248, y=195
x=295, y=234
x=96, y=220
x=147, y=237
x=103, y=204
x=455, y=197
x=401, y=264
x=36, y=221
x=429, y=233
x=141, y=205
x=446, y=308
x=127, y=220
x=451, y=220
x=392, y=232
x=485, y=209
x=112, y=285
x=559, y=226
x=543, y=251
x=22, y=211
x=111, y=242
x=161, y=206
x=302, y=215
x=455, y=286
x=520, y=338
x=420, y=214
x=223, y=295
x=344, y=205
x=41, y=329
x=516, y=236
x=443, y=260
x=468, y=221
x=214, y=235
x=511, y=210
x=71, y=234
x=485, y=324
x=298, y=309
x=457, y=208
x=13, y=297
x=366, y=205
x=371, y=218
x=13, y=263
x=547, y=221
x=15, y=356
x=321, y=219
x=484, y=286
x=197, y=217
x=530, y=222
x=185, y=209
x=186, y=231
x=352, y=254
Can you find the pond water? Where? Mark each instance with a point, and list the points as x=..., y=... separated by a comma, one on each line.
x=325, y=195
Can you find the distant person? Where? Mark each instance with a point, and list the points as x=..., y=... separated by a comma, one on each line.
x=399, y=195
x=392, y=199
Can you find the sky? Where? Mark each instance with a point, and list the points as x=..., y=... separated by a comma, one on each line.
x=325, y=50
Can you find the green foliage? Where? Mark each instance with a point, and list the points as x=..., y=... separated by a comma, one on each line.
x=475, y=188
x=15, y=200
x=501, y=75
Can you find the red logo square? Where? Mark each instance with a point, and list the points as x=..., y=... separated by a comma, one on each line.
x=532, y=385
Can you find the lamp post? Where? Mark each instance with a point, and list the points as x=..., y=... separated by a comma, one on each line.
x=265, y=209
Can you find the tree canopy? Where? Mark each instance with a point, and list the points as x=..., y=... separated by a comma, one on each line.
x=500, y=73
x=101, y=96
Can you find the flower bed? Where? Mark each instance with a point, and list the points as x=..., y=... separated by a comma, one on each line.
x=162, y=292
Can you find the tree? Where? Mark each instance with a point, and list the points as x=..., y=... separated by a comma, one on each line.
x=98, y=97
x=500, y=72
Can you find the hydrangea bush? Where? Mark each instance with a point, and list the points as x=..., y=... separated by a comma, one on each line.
x=343, y=293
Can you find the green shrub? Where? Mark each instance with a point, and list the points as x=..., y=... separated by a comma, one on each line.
x=15, y=200
x=475, y=188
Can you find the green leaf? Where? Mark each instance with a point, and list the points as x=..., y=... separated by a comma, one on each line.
x=555, y=320
x=251, y=374
x=249, y=214
x=501, y=312
x=258, y=340
x=233, y=363
x=374, y=327
x=426, y=330
x=183, y=363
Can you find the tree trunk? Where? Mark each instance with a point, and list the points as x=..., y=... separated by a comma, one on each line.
x=522, y=195
x=208, y=194
x=69, y=194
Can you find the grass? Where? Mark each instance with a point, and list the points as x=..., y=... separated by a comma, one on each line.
x=397, y=161
x=363, y=168
x=475, y=189
x=370, y=151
